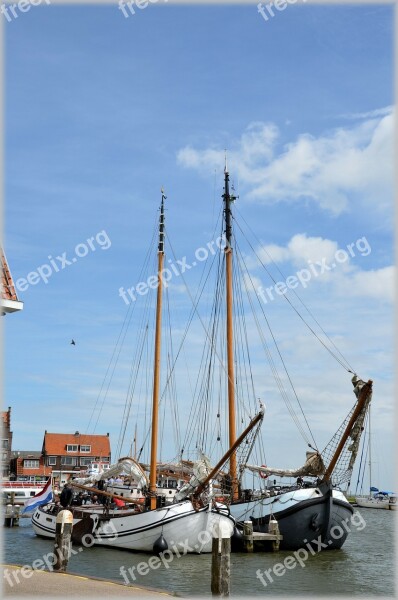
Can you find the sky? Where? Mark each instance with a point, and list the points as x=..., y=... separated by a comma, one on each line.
x=104, y=110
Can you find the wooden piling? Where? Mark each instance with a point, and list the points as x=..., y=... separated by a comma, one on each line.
x=221, y=562
x=11, y=515
x=273, y=529
x=250, y=538
x=62, y=547
x=248, y=543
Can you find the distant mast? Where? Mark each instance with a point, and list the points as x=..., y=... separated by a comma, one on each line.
x=230, y=333
x=157, y=359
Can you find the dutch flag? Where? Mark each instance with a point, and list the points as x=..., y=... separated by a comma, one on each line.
x=43, y=497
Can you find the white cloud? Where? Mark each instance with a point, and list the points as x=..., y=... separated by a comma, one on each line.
x=377, y=283
x=300, y=249
x=372, y=114
x=344, y=168
x=332, y=264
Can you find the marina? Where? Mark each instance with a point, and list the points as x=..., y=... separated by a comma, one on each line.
x=197, y=290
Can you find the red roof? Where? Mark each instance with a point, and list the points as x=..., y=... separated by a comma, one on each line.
x=55, y=444
x=8, y=291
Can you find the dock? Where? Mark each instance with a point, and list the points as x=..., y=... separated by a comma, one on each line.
x=252, y=538
x=24, y=581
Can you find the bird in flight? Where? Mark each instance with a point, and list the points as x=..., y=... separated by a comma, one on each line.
x=73, y=343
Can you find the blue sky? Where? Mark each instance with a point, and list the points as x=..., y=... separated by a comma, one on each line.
x=102, y=110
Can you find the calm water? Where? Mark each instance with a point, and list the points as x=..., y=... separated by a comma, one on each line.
x=364, y=567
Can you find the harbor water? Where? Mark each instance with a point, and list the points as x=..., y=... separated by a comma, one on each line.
x=363, y=567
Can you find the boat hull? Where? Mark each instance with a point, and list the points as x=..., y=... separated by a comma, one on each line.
x=184, y=529
x=372, y=503
x=306, y=515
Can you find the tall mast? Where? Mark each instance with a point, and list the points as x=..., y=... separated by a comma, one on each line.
x=230, y=334
x=156, y=374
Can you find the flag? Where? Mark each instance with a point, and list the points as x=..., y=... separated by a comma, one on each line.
x=43, y=497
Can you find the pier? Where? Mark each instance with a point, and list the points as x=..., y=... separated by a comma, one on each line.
x=253, y=538
x=23, y=581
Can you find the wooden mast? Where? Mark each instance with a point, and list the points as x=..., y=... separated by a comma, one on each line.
x=156, y=375
x=230, y=336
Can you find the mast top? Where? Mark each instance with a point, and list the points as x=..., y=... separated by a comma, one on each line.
x=161, y=224
x=226, y=162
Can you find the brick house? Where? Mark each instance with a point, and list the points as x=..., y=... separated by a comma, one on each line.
x=69, y=453
x=6, y=443
x=9, y=299
x=29, y=465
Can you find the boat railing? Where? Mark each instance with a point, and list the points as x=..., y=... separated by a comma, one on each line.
x=17, y=485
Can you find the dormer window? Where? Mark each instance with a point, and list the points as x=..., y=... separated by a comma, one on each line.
x=85, y=448
x=71, y=448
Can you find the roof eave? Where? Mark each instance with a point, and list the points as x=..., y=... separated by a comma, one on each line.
x=10, y=306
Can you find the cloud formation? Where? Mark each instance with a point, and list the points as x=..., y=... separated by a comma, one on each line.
x=343, y=169
x=342, y=267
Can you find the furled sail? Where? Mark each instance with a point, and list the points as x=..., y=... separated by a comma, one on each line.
x=356, y=431
x=342, y=469
x=126, y=466
x=313, y=467
x=201, y=469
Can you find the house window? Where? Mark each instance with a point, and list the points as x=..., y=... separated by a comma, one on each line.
x=31, y=464
x=4, y=444
x=69, y=460
x=85, y=448
x=86, y=461
x=4, y=455
x=52, y=460
x=71, y=448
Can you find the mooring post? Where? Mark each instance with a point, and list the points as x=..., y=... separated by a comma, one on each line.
x=220, y=561
x=62, y=547
x=11, y=513
x=273, y=528
x=248, y=536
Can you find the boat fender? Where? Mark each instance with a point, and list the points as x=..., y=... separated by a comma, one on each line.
x=160, y=545
x=237, y=534
x=237, y=540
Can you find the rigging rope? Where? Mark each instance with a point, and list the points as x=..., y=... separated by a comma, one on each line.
x=124, y=327
x=344, y=362
x=272, y=364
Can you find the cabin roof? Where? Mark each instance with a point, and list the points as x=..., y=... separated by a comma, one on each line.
x=55, y=444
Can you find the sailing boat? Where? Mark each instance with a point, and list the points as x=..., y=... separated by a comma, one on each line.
x=187, y=524
x=376, y=498
x=303, y=513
